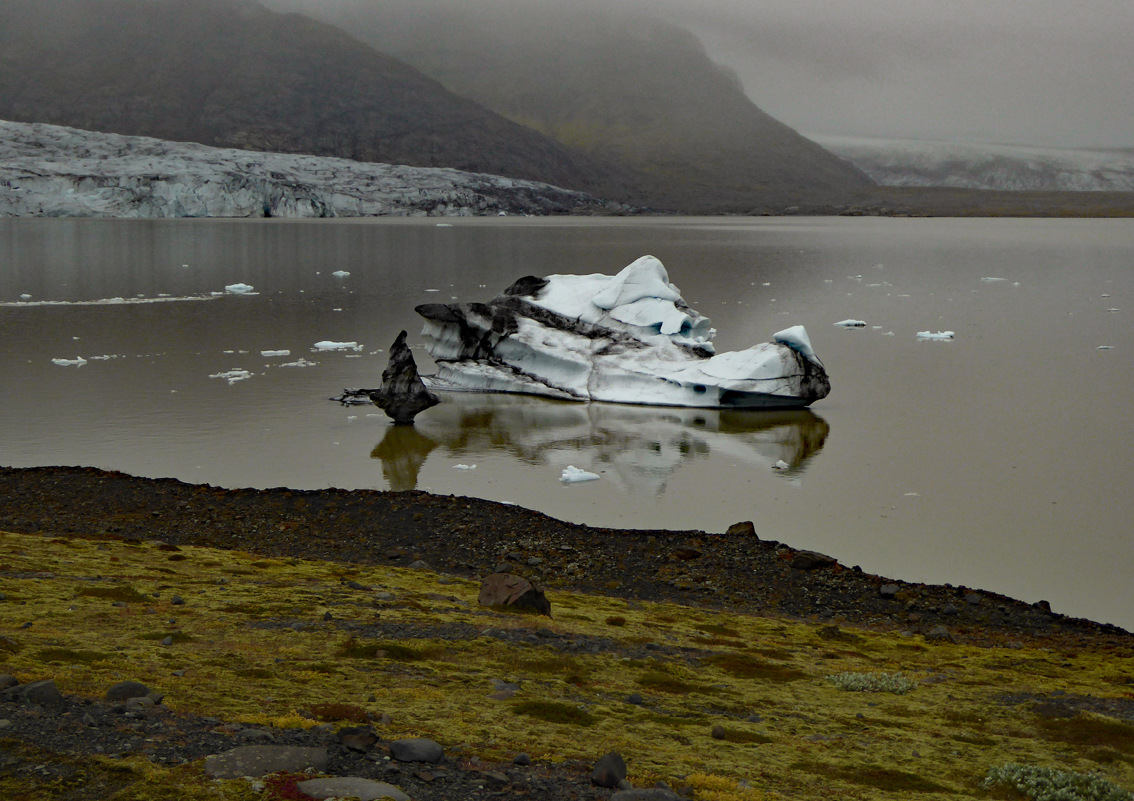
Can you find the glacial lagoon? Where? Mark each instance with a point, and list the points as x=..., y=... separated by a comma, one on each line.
x=998, y=459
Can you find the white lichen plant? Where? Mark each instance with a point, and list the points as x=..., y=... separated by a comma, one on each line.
x=873, y=682
x=1049, y=784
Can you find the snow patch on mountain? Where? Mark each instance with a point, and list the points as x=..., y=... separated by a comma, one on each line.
x=972, y=165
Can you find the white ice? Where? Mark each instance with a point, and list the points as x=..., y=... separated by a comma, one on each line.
x=301, y=363
x=275, y=353
x=573, y=475
x=627, y=338
x=993, y=280
x=102, y=301
x=940, y=335
x=327, y=344
x=340, y=273
x=233, y=375
x=238, y=289
x=25, y=296
x=78, y=361
x=851, y=323
x=781, y=465
x=464, y=467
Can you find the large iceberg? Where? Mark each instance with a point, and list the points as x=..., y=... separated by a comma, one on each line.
x=627, y=338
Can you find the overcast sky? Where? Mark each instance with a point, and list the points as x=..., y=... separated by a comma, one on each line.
x=1044, y=72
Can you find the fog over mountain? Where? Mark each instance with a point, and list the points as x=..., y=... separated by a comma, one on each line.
x=1034, y=72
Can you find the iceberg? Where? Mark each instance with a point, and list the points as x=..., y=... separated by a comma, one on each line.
x=627, y=338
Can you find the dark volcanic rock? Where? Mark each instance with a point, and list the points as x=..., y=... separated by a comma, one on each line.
x=417, y=749
x=402, y=395
x=506, y=589
x=609, y=770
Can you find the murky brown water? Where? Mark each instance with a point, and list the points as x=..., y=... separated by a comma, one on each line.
x=999, y=460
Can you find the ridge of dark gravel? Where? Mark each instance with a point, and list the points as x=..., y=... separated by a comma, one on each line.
x=471, y=537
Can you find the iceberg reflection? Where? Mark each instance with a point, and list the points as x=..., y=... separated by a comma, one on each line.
x=636, y=447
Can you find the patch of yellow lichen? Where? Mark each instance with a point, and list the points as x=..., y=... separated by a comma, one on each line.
x=251, y=644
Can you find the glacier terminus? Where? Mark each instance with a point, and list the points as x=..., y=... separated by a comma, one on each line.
x=626, y=338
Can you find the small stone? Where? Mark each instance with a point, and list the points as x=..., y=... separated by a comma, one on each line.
x=812, y=560
x=259, y=760
x=177, y=600
x=718, y=732
x=328, y=616
x=125, y=690
x=888, y=590
x=625, y=785
x=742, y=529
x=949, y=609
x=521, y=759
x=636, y=699
x=354, y=585
x=8, y=680
x=534, y=560
x=609, y=770
x=974, y=599
x=40, y=693
x=418, y=564
x=940, y=634
x=416, y=749
x=167, y=641
x=504, y=589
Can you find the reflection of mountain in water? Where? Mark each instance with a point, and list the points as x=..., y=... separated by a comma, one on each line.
x=637, y=447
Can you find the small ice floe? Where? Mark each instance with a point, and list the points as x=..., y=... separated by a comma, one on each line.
x=573, y=475
x=271, y=353
x=851, y=324
x=466, y=467
x=78, y=361
x=1114, y=310
x=26, y=296
x=1100, y=347
x=887, y=333
x=940, y=336
x=780, y=465
x=340, y=274
x=1104, y=295
x=233, y=375
x=913, y=495
x=432, y=290
x=327, y=344
x=301, y=363
x=992, y=280
x=238, y=289
x=352, y=417
x=444, y=225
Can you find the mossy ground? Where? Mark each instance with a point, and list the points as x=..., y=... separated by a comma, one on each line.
x=244, y=659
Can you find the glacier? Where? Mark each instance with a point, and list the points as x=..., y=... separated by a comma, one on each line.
x=54, y=171
x=626, y=338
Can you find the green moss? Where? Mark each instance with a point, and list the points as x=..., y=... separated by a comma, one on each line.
x=666, y=683
x=178, y=636
x=1090, y=731
x=70, y=656
x=745, y=666
x=124, y=593
x=387, y=650
x=741, y=736
x=555, y=712
x=614, y=620
x=254, y=673
x=876, y=776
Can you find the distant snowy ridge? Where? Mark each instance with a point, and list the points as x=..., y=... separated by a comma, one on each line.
x=52, y=171
x=970, y=165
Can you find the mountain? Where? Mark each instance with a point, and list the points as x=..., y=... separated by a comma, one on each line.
x=966, y=165
x=632, y=92
x=231, y=73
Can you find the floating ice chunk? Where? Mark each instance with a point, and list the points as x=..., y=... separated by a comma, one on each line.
x=1100, y=347
x=327, y=344
x=993, y=280
x=233, y=375
x=940, y=335
x=25, y=296
x=887, y=333
x=573, y=475
x=466, y=467
x=444, y=225
x=340, y=274
x=301, y=363
x=1114, y=310
x=432, y=290
x=780, y=465
x=275, y=353
x=556, y=336
x=851, y=324
x=913, y=494
x=238, y=289
x=78, y=361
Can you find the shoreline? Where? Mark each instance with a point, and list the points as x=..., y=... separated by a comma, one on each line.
x=470, y=537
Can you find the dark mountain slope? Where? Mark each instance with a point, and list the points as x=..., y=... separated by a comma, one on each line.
x=626, y=89
x=233, y=74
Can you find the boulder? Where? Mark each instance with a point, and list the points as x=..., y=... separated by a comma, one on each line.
x=416, y=749
x=260, y=760
x=506, y=589
x=609, y=770
x=402, y=395
x=350, y=787
x=744, y=528
x=123, y=691
x=38, y=693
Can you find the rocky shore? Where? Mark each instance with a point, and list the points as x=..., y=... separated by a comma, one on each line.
x=160, y=639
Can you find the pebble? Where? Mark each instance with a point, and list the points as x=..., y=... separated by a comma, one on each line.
x=417, y=749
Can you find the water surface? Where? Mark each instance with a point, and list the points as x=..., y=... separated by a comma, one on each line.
x=998, y=460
